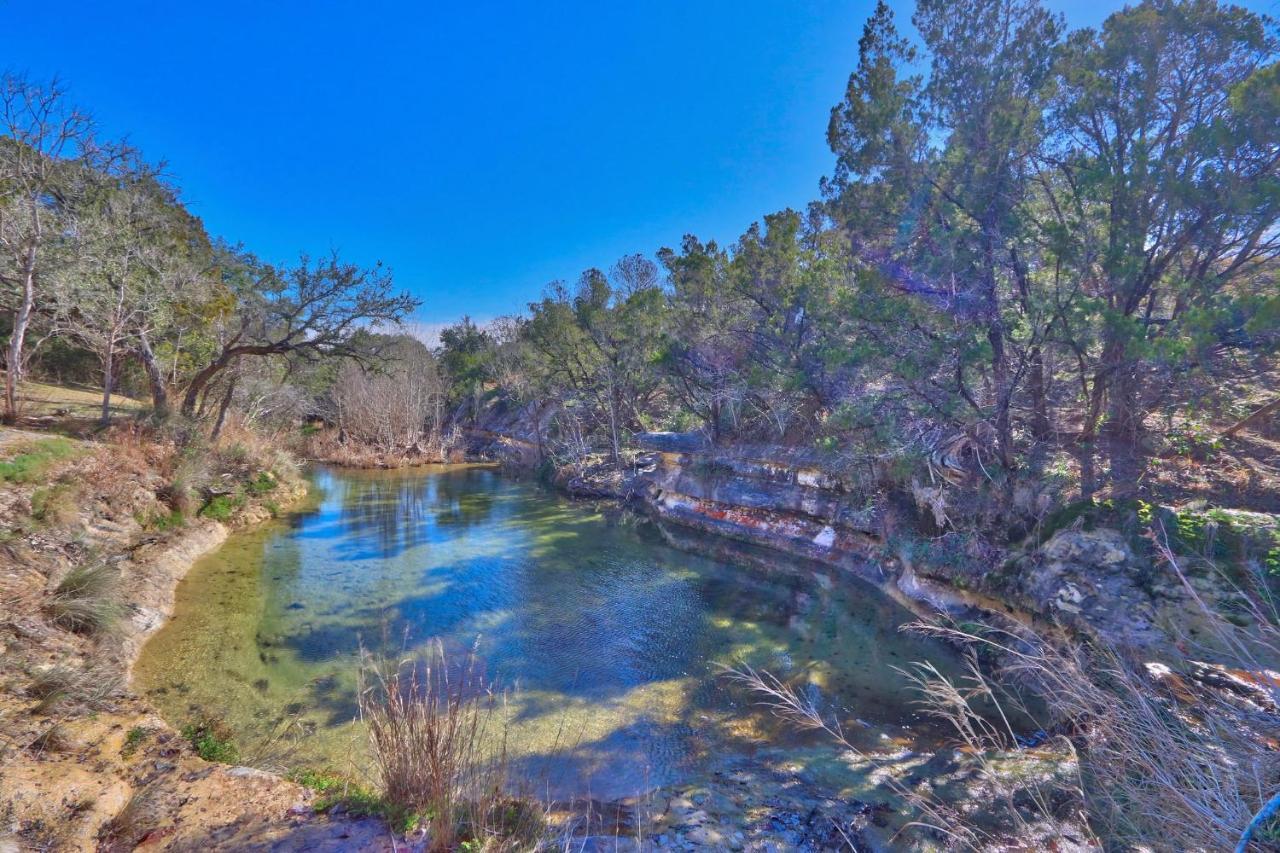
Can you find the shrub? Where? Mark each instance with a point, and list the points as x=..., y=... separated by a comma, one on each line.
x=263, y=483
x=86, y=601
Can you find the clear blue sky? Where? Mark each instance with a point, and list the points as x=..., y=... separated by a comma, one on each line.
x=479, y=149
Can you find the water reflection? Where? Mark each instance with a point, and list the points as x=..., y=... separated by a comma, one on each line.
x=607, y=637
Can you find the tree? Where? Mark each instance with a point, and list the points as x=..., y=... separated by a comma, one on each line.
x=394, y=406
x=314, y=310
x=1167, y=141
x=42, y=132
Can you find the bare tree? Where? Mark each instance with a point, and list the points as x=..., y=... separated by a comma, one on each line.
x=42, y=131
x=395, y=407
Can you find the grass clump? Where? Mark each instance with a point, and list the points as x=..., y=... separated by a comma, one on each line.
x=60, y=687
x=336, y=791
x=212, y=739
x=132, y=740
x=439, y=763
x=163, y=521
x=32, y=464
x=86, y=601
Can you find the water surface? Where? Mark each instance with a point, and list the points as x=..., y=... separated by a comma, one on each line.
x=605, y=639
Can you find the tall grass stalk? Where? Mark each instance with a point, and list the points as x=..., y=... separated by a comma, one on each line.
x=440, y=754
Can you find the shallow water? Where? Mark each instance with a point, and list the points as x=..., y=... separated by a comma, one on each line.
x=605, y=639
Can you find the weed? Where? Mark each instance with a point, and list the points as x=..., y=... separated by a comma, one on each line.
x=429, y=727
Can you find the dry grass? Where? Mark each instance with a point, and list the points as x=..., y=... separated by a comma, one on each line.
x=1162, y=754
x=60, y=687
x=86, y=601
x=439, y=758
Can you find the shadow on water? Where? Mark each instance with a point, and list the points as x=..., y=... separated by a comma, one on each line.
x=597, y=628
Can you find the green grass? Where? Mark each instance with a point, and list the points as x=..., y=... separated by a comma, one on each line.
x=132, y=740
x=33, y=462
x=355, y=799
x=54, y=504
x=161, y=521
x=261, y=484
x=222, y=507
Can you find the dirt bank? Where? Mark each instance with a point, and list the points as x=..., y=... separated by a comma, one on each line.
x=85, y=763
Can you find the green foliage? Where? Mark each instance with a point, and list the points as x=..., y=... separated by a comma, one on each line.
x=34, y=459
x=212, y=739
x=262, y=484
x=163, y=522
x=222, y=507
x=54, y=504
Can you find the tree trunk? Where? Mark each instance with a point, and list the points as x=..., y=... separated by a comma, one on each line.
x=1041, y=427
x=17, y=336
x=108, y=374
x=1124, y=429
x=198, y=383
x=222, y=409
x=155, y=376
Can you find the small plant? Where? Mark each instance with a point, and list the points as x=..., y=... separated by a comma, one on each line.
x=429, y=727
x=86, y=600
x=212, y=739
x=132, y=740
x=162, y=521
x=54, y=504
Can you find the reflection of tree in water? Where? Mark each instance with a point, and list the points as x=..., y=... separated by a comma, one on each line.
x=402, y=511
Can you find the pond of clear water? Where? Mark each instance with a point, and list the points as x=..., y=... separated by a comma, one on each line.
x=605, y=640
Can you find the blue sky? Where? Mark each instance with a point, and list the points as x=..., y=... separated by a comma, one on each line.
x=479, y=149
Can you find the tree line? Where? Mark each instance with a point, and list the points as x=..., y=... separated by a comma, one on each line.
x=1046, y=241
x=1035, y=242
